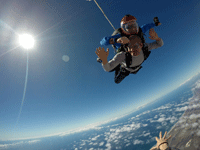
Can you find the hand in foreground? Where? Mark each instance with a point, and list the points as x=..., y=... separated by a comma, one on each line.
x=153, y=34
x=102, y=54
x=160, y=141
x=123, y=40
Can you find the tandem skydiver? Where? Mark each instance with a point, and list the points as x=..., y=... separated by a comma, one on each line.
x=119, y=38
x=129, y=27
x=130, y=60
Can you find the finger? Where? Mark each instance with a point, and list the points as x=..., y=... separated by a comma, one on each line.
x=160, y=134
x=151, y=29
x=151, y=38
x=96, y=52
x=165, y=134
x=169, y=137
x=156, y=139
x=98, y=49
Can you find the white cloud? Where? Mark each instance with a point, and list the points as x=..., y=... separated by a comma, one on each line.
x=90, y=126
x=167, y=106
x=119, y=147
x=116, y=141
x=159, y=127
x=91, y=143
x=101, y=144
x=144, y=125
x=33, y=141
x=161, y=120
x=127, y=144
x=132, y=118
x=18, y=143
x=198, y=133
x=146, y=134
x=162, y=115
x=138, y=142
x=182, y=108
x=95, y=138
x=185, y=125
x=172, y=119
x=146, y=112
x=194, y=125
x=185, y=103
x=126, y=141
x=138, y=115
x=194, y=116
x=108, y=145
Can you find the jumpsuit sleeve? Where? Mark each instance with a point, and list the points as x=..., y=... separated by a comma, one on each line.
x=155, y=44
x=117, y=59
x=146, y=27
x=105, y=40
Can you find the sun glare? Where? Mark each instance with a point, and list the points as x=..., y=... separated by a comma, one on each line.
x=26, y=41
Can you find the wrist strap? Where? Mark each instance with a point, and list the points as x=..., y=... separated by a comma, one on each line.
x=162, y=143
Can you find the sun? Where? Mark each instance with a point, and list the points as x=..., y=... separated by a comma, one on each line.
x=26, y=41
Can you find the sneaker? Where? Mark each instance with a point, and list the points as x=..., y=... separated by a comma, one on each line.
x=99, y=60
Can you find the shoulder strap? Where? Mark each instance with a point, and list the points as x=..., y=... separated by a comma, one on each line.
x=146, y=51
x=141, y=35
x=117, y=31
x=128, y=59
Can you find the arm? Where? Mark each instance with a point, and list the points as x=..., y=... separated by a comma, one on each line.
x=154, y=36
x=154, y=45
x=110, y=40
x=108, y=66
x=117, y=59
x=147, y=27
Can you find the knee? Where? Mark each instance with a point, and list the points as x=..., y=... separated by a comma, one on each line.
x=119, y=79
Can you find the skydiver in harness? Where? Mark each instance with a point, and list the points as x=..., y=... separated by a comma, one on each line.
x=120, y=41
x=130, y=59
x=129, y=27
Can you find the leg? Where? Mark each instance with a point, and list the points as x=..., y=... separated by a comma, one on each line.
x=120, y=74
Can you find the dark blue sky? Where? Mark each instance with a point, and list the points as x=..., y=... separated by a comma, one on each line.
x=60, y=95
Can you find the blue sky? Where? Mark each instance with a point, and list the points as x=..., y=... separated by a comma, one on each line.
x=60, y=95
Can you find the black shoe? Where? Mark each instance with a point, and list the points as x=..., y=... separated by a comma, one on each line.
x=99, y=60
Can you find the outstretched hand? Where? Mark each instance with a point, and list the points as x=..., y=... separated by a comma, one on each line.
x=101, y=53
x=161, y=140
x=153, y=34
